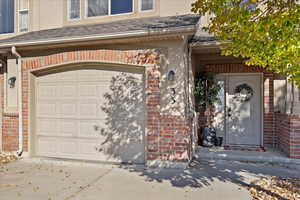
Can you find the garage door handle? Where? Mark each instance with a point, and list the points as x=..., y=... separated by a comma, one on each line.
x=96, y=128
x=98, y=149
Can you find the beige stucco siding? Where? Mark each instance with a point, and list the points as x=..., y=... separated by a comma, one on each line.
x=175, y=7
x=280, y=95
x=47, y=14
x=11, y=94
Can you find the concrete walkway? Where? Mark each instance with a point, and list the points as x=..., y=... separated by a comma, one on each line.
x=270, y=156
x=39, y=179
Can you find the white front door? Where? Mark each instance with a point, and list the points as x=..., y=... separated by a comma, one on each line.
x=243, y=110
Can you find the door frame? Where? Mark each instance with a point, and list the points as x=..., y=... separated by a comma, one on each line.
x=225, y=78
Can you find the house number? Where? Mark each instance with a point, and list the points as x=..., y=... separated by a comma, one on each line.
x=173, y=95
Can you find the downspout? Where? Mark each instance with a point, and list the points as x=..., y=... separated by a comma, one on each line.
x=293, y=97
x=188, y=53
x=18, y=56
x=2, y=62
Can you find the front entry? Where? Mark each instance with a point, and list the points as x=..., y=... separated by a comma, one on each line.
x=241, y=109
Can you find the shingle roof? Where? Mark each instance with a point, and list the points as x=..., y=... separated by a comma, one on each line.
x=131, y=25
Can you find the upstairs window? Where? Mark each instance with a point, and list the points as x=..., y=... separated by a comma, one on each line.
x=147, y=5
x=97, y=8
x=23, y=20
x=121, y=6
x=74, y=9
x=108, y=7
x=23, y=15
x=7, y=16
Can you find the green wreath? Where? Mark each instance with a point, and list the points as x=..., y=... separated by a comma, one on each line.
x=243, y=92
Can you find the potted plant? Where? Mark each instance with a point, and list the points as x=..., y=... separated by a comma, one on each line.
x=206, y=95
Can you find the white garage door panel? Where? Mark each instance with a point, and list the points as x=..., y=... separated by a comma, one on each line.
x=76, y=120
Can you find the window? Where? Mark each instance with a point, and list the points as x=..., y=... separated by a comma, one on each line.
x=147, y=5
x=108, y=7
x=97, y=8
x=23, y=20
x=7, y=16
x=74, y=9
x=23, y=15
x=121, y=6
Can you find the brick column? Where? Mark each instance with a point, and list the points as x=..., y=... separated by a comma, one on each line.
x=269, y=117
x=153, y=116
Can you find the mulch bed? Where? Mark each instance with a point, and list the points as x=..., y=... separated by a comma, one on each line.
x=275, y=189
x=7, y=158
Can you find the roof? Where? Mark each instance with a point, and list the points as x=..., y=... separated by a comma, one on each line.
x=201, y=36
x=146, y=25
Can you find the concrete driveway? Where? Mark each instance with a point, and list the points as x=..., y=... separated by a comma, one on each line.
x=43, y=179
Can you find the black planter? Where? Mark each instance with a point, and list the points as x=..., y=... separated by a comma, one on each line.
x=218, y=141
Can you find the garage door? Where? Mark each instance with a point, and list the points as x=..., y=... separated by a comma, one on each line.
x=91, y=114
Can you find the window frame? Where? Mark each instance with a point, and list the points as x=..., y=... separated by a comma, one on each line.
x=19, y=20
x=16, y=26
x=145, y=11
x=109, y=11
x=69, y=11
x=18, y=13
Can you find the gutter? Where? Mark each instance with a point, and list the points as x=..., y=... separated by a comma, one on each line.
x=19, y=58
x=144, y=33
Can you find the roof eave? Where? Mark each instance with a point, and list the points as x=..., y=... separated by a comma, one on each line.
x=120, y=35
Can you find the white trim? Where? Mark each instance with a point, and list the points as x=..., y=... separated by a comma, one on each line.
x=68, y=11
x=18, y=13
x=145, y=11
x=15, y=21
x=28, y=20
x=109, y=11
x=262, y=94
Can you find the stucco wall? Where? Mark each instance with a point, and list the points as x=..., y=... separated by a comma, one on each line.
x=280, y=95
x=175, y=7
x=45, y=14
x=11, y=93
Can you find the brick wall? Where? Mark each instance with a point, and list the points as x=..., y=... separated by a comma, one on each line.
x=10, y=135
x=167, y=135
x=288, y=134
x=268, y=112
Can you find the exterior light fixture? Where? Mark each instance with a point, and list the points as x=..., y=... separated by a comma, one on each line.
x=171, y=76
x=171, y=79
x=12, y=82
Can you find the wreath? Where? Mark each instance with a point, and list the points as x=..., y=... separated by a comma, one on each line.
x=243, y=92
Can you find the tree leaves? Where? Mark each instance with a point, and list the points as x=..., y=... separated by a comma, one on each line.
x=275, y=189
x=264, y=32
x=7, y=158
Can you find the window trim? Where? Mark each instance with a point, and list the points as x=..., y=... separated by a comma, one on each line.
x=19, y=20
x=68, y=11
x=109, y=11
x=18, y=13
x=16, y=26
x=145, y=11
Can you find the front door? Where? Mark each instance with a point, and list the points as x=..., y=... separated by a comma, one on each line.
x=243, y=110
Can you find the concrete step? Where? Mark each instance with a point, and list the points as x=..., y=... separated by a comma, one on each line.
x=244, y=156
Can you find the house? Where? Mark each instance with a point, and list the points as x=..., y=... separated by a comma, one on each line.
x=112, y=80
